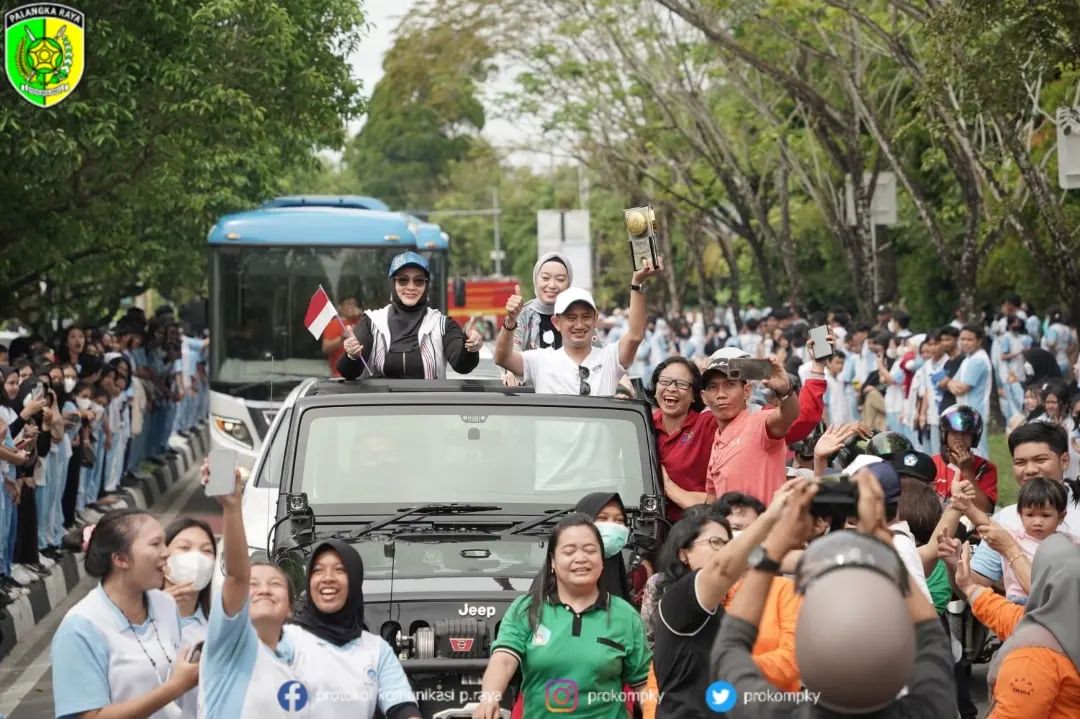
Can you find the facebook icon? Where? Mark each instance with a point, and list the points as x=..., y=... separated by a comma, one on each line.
x=292, y=696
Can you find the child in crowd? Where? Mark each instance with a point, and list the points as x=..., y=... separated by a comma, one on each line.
x=1041, y=505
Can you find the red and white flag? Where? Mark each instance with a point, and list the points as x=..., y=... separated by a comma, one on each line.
x=320, y=313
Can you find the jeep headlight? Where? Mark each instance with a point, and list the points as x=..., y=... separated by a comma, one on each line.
x=234, y=429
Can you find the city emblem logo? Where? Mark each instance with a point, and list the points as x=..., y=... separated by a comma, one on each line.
x=44, y=51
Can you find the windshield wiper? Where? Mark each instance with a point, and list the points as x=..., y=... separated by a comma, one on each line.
x=423, y=509
x=539, y=521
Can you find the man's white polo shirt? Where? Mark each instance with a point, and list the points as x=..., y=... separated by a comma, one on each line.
x=552, y=371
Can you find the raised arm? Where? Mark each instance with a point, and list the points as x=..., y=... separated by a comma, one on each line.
x=506, y=355
x=237, y=564
x=779, y=423
x=636, y=319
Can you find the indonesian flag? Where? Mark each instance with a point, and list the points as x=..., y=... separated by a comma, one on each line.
x=320, y=313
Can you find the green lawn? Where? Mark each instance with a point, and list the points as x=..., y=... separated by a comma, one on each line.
x=999, y=455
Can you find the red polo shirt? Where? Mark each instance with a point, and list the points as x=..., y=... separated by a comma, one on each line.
x=685, y=453
x=987, y=482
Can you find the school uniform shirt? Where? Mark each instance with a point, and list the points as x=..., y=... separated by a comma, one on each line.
x=99, y=658
x=904, y=544
x=192, y=631
x=552, y=371
x=975, y=371
x=303, y=677
x=576, y=662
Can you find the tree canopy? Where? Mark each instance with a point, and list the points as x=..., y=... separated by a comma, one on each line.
x=186, y=111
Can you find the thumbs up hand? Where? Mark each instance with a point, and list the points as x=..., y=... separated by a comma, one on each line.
x=353, y=348
x=514, y=305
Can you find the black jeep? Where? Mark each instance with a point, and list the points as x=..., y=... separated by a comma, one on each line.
x=449, y=491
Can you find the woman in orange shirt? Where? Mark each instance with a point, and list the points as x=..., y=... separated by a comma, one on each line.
x=1035, y=674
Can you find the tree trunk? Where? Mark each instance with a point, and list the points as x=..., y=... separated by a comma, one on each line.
x=787, y=246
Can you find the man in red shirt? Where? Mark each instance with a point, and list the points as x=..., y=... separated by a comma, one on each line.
x=961, y=427
x=750, y=448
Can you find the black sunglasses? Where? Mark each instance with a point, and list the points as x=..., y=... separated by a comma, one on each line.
x=583, y=375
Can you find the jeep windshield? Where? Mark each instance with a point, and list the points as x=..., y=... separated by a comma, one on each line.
x=377, y=459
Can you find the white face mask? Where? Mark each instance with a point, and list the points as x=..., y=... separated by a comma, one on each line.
x=69, y=385
x=193, y=567
x=83, y=403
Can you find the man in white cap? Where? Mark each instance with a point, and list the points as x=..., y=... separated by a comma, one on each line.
x=577, y=367
x=750, y=448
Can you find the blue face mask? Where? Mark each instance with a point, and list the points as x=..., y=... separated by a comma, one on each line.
x=614, y=536
x=917, y=364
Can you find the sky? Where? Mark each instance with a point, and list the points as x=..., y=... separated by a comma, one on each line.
x=384, y=16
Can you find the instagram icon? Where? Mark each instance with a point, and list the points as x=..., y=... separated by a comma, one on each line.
x=560, y=696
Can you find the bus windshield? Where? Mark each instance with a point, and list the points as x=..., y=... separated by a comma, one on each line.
x=260, y=296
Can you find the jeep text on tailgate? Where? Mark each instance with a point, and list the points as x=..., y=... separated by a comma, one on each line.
x=448, y=490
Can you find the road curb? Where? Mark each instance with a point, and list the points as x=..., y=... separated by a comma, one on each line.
x=141, y=490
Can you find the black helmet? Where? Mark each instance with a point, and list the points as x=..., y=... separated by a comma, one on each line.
x=887, y=444
x=961, y=418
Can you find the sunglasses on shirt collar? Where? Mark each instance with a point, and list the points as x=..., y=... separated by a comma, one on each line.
x=583, y=375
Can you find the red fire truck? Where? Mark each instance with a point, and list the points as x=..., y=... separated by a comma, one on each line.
x=480, y=298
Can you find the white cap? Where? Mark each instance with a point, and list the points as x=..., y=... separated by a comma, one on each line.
x=570, y=296
x=861, y=462
x=729, y=353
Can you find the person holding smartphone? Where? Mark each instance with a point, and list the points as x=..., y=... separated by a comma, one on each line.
x=118, y=652
x=324, y=663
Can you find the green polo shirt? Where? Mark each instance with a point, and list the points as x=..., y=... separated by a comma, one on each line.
x=577, y=663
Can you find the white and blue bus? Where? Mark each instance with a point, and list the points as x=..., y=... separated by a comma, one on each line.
x=264, y=266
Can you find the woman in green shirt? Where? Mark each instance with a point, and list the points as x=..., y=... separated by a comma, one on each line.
x=577, y=645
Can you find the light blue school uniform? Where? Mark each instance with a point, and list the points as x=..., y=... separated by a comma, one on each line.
x=303, y=677
x=976, y=372
x=100, y=658
x=192, y=631
x=8, y=517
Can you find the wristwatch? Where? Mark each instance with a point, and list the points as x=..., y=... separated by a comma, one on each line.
x=760, y=560
x=637, y=288
x=507, y=326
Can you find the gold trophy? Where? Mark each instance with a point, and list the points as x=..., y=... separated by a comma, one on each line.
x=641, y=226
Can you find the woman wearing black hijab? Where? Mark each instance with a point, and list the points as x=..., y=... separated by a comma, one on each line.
x=336, y=646
x=609, y=516
x=408, y=339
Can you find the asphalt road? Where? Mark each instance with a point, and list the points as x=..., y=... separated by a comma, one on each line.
x=25, y=679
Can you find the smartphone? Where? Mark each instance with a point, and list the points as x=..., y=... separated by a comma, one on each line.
x=747, y=368
x=222, y=473
x=196, y=653
x=822, y=348
x=38, y=392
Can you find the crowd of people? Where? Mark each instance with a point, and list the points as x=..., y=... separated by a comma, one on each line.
x=77, y=416
x=823, y=504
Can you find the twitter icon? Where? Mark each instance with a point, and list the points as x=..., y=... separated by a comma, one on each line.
x=720, y=696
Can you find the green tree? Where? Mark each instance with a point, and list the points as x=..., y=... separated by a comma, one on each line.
x=424, y=114
x=187, y=111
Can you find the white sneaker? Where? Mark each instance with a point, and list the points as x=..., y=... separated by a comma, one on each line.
x=22, y=575
x=46, y=562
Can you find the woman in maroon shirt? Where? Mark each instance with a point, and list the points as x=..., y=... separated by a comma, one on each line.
x=684, y=433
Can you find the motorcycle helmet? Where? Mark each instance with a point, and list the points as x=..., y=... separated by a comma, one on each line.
x=961, y=418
